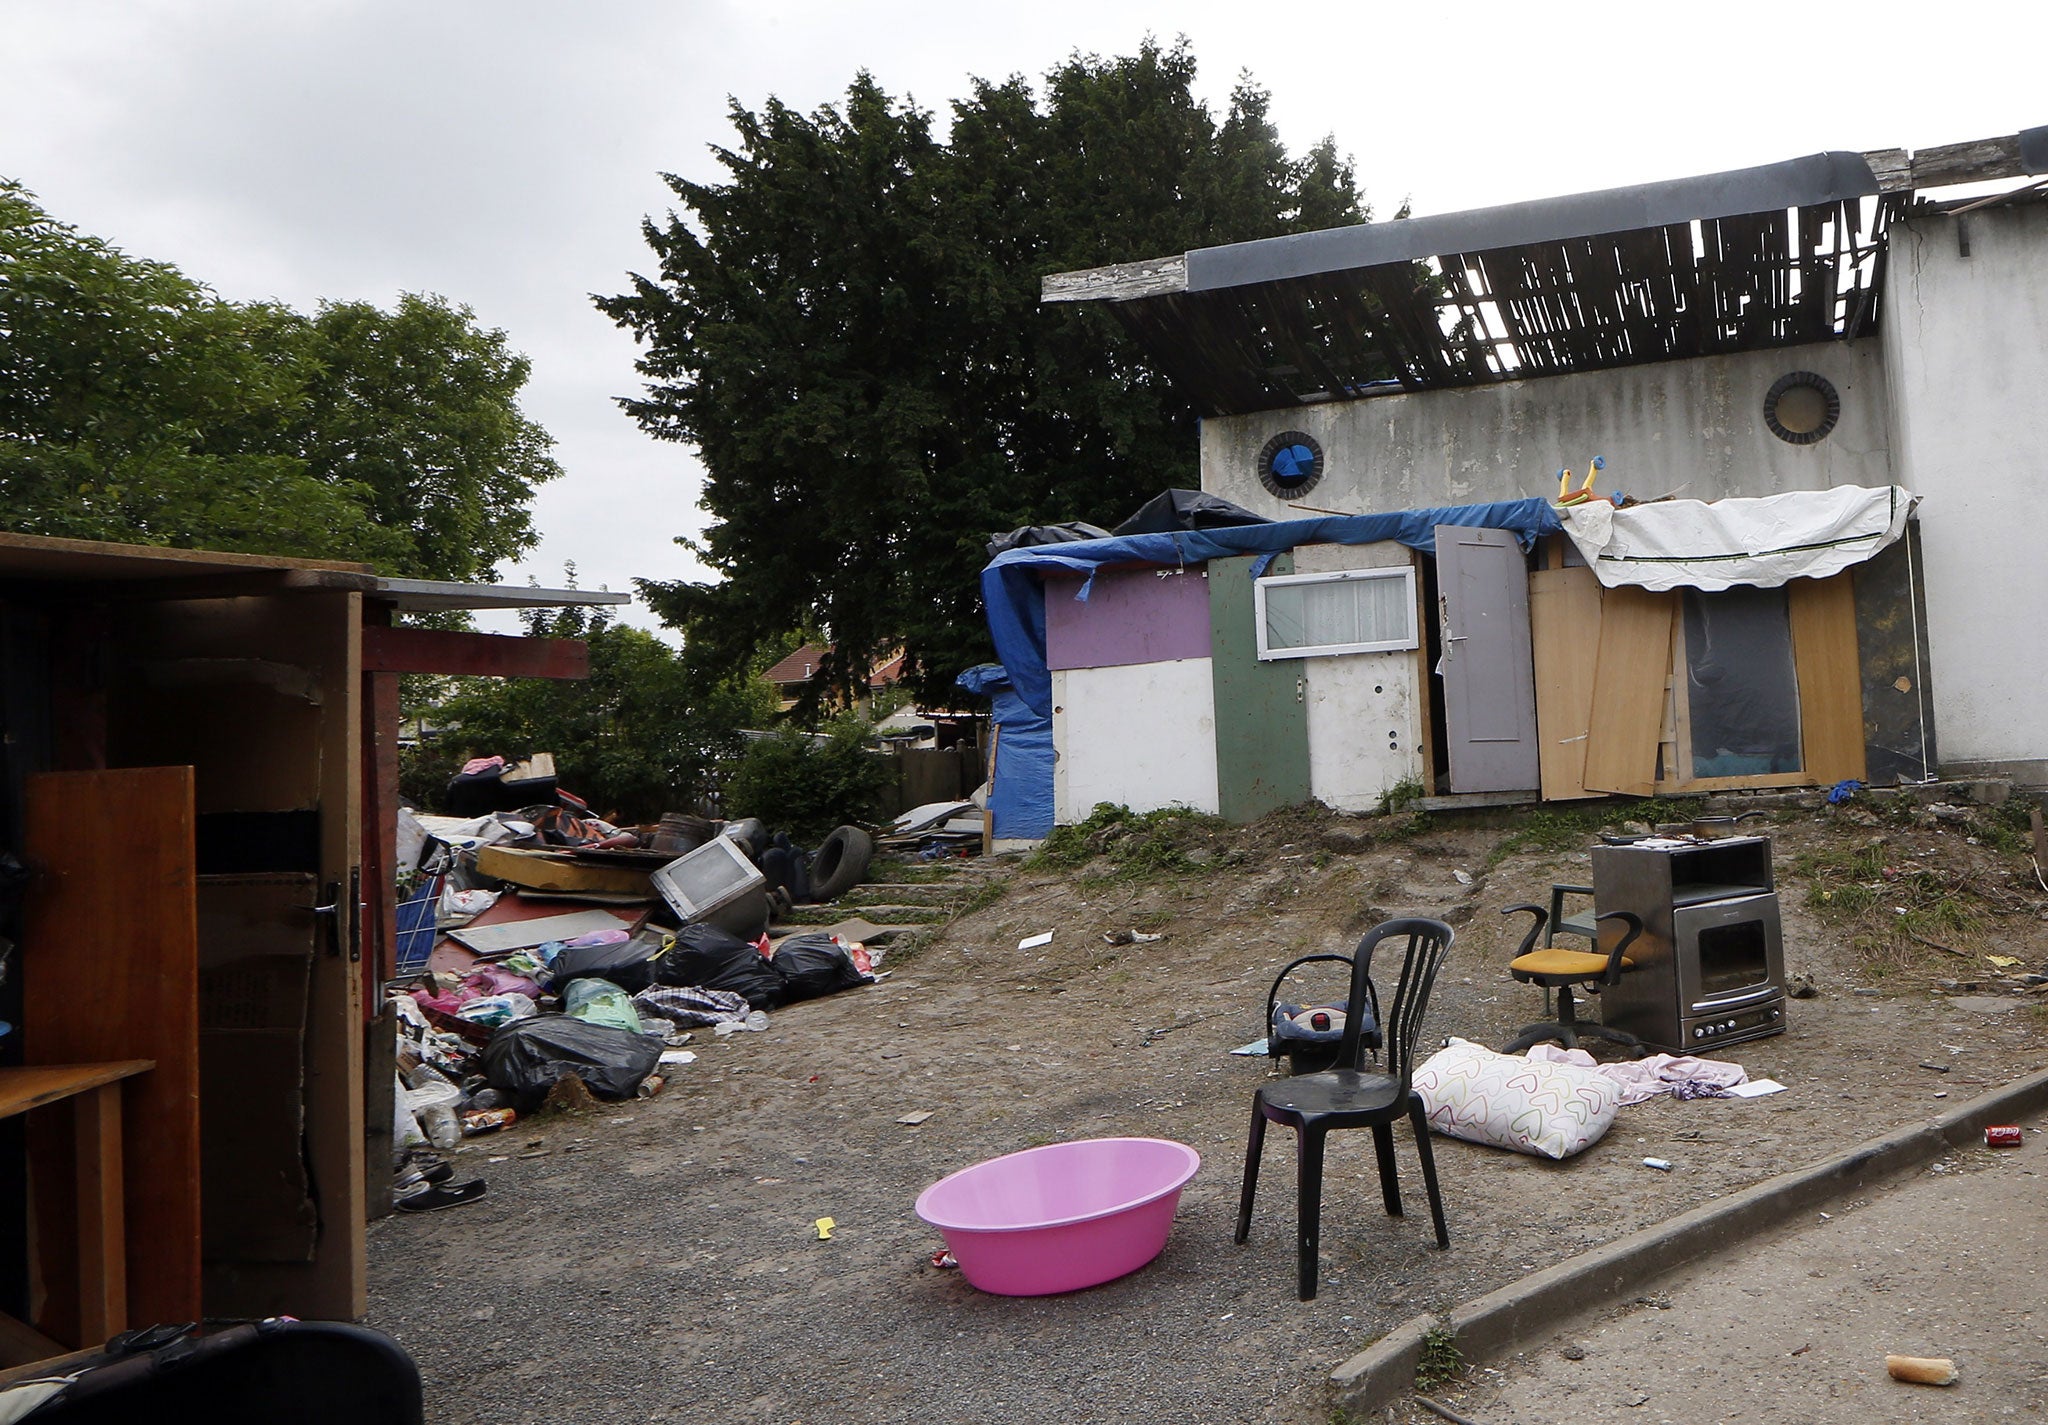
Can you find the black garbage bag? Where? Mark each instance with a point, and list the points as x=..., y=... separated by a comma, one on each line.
x=1031, y=536
x=715, y=959
x=814, y=965
x=528, y=1056
x=624, y=963
x=1172, y=510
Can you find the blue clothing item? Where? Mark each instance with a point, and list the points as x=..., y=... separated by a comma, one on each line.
x=1012, y=592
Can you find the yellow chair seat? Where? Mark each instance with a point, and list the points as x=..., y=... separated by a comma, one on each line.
x=1554, y=963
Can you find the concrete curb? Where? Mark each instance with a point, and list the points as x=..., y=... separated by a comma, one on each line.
x=1539, y=1303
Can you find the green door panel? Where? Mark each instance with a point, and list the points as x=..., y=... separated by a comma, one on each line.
x=1261, y=711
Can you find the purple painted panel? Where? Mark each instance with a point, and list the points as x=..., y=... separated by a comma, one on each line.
x=1132, y=616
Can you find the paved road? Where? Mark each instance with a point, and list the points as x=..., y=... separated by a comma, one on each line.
x=1949, y=1261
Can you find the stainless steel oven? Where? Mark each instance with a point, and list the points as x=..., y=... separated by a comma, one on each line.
x=1710, y=964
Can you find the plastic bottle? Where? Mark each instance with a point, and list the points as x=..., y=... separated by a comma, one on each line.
x=440, y=1124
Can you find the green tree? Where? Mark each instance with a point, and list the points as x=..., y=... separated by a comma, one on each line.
x=417, y=409
x=644, y=734
x=848, y=330
x=136, y=405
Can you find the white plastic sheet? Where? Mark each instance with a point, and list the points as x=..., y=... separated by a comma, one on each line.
x=1699, y=544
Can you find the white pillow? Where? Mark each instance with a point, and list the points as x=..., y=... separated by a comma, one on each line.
x=1549, y=1110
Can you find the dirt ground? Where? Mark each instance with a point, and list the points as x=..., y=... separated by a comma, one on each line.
x=1795, y=1325
x=658, y=1259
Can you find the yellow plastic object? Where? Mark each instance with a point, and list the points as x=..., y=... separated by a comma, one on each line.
x=1565, y=962
x=825, y=1226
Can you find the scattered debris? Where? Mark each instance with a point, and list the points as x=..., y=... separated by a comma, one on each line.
x=825, y=1226
x=1032, y=942
x=1124, y=937
x=1921, y=1370
x=1660, y=1164
x=911, y=1120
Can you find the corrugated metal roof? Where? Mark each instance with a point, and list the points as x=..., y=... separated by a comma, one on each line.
x=1779, y=255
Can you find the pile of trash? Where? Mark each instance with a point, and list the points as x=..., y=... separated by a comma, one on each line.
x=546, y=955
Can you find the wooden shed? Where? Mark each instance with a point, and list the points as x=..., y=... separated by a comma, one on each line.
x=199, y=785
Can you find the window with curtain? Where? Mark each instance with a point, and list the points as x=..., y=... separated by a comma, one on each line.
x=1354, y=611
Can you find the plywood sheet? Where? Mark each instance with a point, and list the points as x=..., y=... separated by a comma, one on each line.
x=1564, y=630
x=1630, y=670
x=1823, y=617
x=1131, y=616
x=1142, y=736
x=109, y=970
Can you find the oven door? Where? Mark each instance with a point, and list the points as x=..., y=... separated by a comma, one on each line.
x=1727, y=953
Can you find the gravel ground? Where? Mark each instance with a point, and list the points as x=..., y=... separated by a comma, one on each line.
x=656, y=1260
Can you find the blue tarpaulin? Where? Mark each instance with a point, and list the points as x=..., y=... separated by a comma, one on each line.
x=1020, y=795
x=1011, y=585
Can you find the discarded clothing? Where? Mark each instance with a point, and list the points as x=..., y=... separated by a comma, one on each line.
x=690, y=1005
x=1681, y=1075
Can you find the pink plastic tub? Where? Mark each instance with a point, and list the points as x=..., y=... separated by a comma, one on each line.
x=1061, y=1217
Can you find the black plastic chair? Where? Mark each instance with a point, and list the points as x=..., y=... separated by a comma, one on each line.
x=1315, y=1105
x=1559, y=970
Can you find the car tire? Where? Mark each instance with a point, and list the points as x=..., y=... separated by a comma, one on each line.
x=840, y=863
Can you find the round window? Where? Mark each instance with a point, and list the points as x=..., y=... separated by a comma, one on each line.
x=1801, y=407
x=1290, y=464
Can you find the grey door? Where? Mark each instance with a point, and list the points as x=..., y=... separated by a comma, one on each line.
x=1489, y=682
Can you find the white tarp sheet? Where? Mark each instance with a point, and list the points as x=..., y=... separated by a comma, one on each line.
x=1698, y=544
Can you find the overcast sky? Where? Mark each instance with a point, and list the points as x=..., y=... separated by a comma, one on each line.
x=503, y=152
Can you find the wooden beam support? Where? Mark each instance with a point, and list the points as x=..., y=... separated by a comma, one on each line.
x=1977, y=161
x=487, y=655
x=1119, y=282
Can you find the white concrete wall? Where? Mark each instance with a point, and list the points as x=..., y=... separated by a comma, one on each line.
x=1365, y=710
x=1692, y=427
x=1966, y=355
x=1143, y=735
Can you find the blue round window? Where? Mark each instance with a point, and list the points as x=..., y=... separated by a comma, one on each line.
x=1290, y=464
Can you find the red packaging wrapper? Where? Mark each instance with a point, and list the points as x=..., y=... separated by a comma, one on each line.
x=2002, y=1135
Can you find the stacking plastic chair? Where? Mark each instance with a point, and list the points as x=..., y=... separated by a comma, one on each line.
x=1315, y=1105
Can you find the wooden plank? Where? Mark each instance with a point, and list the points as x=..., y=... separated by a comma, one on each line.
x=24, y=1350
x=1630, y=669
x=42, y=556
x=1118, y=282
x=110, y=971
x=102, y=1260
x=24, y=1089
x=1972, y=162
x=1822, y=613
x=552, y=871
x=1564, y=631
x=483, y=655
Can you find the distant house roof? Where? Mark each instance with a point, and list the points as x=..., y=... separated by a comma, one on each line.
x=1778, y=255
x=801, y=666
